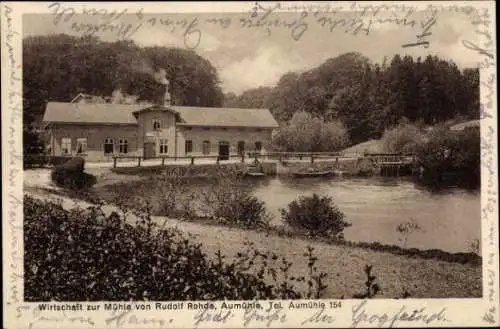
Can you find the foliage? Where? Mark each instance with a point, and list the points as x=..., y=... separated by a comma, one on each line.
x=364, y=168
x=227, y=201
x=372, y=288
x=406, y=229
x=369, y=98
x=81, y=255
x=452, y=157
x=318, y=216
x=404, y=138
x=306, y=133
x=71, y=174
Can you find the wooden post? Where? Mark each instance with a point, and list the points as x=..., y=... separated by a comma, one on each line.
x=114, y=162
x=139, y=163
x=192, y=160
x=217, y=161
x=163, y=161
x=242, y=157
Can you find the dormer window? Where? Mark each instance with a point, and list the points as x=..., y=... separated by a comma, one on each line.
x=156, y=124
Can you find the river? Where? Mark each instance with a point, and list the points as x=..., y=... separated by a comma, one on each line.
x=449, y=219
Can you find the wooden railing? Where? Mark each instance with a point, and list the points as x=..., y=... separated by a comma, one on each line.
x=192, y=158
x=286, y=156
x=280, y=156
x=391, y=157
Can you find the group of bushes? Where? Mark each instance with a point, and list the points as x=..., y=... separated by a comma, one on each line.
x=452, y=157
x=71, y=174
x=81, y=255
x=224, y=198
x=447, y=157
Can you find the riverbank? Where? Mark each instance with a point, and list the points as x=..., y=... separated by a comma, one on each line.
x=344, y=264
x=375, y=206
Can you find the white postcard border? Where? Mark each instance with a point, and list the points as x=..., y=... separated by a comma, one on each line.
x=445, y=312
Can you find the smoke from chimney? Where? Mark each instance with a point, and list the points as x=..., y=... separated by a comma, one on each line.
x=161, y=77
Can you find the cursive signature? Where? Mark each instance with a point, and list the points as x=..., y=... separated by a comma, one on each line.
x=39, y=317
x=362, y=316
x=210, y=316
x=319, y=317
x=128, y=317
x=266, y=318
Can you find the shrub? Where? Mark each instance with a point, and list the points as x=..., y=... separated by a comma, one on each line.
x=81, y=255
x=452, y=154
x=406, y=229
x=364, y=168
x=71, y=175
x=316, y=215
x=228, y=201
x=244, y=210
x=404, y=138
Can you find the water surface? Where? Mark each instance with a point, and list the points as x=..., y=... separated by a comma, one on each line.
x=450, y=219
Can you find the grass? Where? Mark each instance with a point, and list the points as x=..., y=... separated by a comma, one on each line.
x=421, y=278
x=398, y=270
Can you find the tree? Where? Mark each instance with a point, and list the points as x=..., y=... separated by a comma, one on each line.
x=371, y=98
x=306, y=133
x=403, y=138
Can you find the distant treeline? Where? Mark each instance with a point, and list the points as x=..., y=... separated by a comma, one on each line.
x=369, y=98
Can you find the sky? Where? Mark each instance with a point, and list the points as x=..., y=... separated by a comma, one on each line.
x=249, y=57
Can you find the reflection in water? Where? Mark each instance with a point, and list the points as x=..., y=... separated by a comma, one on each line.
x=450, y=219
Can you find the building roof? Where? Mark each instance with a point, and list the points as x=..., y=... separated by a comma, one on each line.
x=91, y=113
x=225, y=117
x=90, y=98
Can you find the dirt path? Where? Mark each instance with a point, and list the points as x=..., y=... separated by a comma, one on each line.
x=422, y=278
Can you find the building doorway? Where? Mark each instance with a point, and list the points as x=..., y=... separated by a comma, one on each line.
x=149, y=150
x=241, y=147
x=258, y=147
x=223, y=150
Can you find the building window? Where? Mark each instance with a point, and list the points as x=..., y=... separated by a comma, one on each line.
x=189, y=147
x=241, y=147
x=66, y=146
x=206, y=128
x=206, y=147
x=189, y=128
x=258, y=146
x=81, y=145
x=123, y=146
x=156, y=124
x=163, y=146
x=108, y=146
x=258, y=129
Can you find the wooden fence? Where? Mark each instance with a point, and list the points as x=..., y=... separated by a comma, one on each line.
x=192, y=158
x=378, y=158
